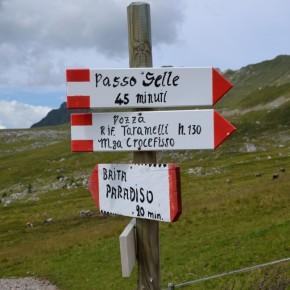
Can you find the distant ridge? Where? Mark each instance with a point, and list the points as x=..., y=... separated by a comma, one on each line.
x=57, y=117
x=54, y=117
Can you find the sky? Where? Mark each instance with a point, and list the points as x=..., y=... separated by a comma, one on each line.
x=40, y=39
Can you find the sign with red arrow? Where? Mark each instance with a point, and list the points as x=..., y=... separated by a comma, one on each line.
x=124, y=189
x=144, y=87
x=149, y=130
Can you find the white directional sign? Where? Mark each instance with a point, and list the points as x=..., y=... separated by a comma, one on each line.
x=141, y=191
x=147, y=131
x=144, y=87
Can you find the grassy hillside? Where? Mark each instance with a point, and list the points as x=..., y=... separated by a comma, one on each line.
x=236, y=208
x=258, y=83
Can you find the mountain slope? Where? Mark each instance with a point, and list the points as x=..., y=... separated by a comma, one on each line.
x=259, y=83
x=54, y=117
x=57, y=117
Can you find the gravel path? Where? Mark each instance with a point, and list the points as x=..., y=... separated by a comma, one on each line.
x=26, y=284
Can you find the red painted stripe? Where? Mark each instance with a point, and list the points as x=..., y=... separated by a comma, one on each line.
x=78, y=102
x=82, y=145
x=77, y=75
x=174, y=192
x=84, y=119
x=94, y=186
x=220, y=85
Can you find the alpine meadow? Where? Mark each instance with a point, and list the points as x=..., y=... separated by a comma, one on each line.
x=235, y=200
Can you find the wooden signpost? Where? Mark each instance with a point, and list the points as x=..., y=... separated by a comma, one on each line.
x=150, y=193
x=144, y=87
x=124, y=189
x=147, y=131
x=147, y=231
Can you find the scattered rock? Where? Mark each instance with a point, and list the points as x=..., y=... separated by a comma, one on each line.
x=34, y=198
x=176, y=156
x=8, y=199
x=60, y=177
x=249, y=147
x=33, y=191
x=38, y=138
x=29, y=225
x=282, y=170
x=258, y=174
x=6, y=203
x=86, y=213
x=196, y=171
x=228, y=180
x=275, y=176
x=48, y=221
x=200, y=171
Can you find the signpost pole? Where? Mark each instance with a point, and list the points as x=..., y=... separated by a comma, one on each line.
x=147, y=232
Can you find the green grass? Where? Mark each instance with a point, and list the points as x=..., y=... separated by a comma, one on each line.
x=231, y=217
x=265, y=95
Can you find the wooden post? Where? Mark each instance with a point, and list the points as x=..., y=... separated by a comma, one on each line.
x=147, y=232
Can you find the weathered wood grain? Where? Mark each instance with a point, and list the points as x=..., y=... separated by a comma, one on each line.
x=140, y=55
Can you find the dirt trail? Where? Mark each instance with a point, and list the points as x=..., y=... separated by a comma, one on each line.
x=27, y=283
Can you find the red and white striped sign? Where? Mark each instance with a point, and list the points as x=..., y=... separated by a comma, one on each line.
x=124, y=189
x=144, y=87
x=149, y=130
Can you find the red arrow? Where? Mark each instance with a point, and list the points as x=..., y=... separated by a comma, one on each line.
x=220, y=85
x=222, y=129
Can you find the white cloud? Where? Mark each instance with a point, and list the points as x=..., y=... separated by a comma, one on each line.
x=40, y=38
x=73, y=24
x=14, y=114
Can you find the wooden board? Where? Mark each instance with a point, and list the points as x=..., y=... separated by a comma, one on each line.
x=128, y=248
x=144, y=87
x=147, y=131
x=141, y=191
